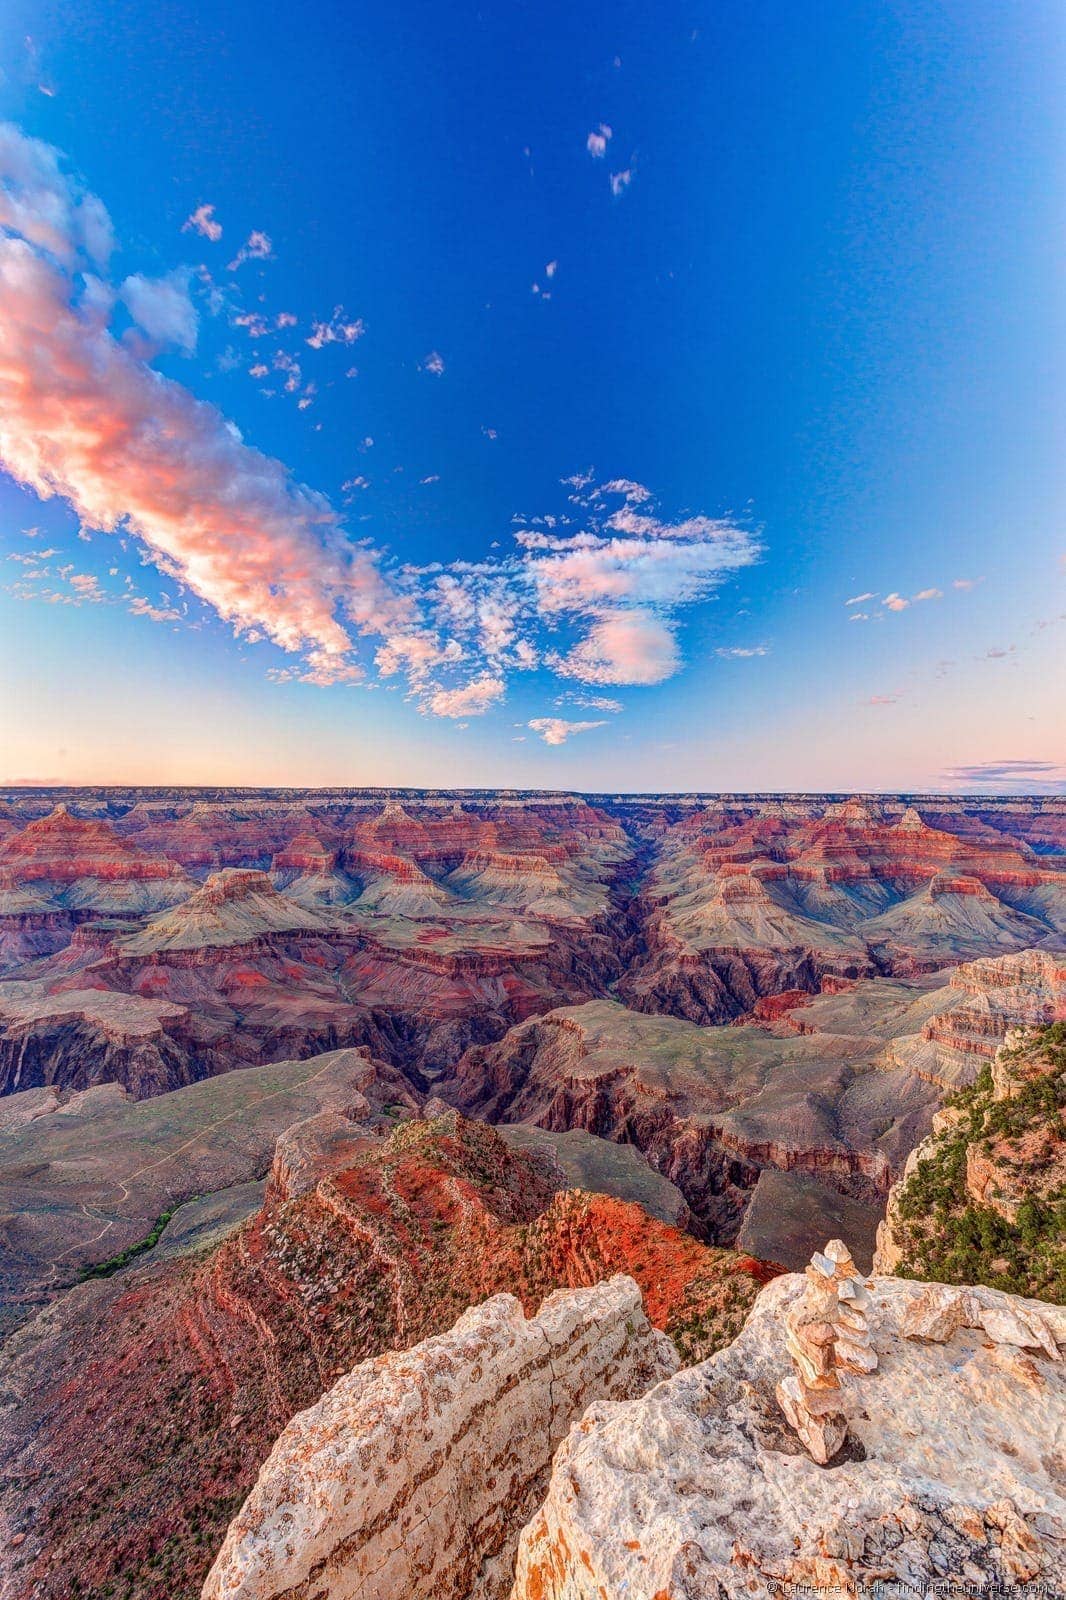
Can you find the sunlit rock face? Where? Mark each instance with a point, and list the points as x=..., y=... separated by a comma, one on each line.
x=983, y=1198
x=412, y=1476
x=947, y=1476
x=165, y=1386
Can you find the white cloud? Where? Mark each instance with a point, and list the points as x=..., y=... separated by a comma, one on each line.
x=929, y=594
x=741, y=652
x=622, y=647
x=434, y=363
x=860, y=599
x=557, y=730
x=470, y=699
x=162, y=307
x=589, y=702
x=340, y=329
x=598, y=140
x=137, y=455
x=45, y=207
x=620, y=182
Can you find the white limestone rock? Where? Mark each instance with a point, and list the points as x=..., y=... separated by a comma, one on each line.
x=411, y=1478
x=952, y=1473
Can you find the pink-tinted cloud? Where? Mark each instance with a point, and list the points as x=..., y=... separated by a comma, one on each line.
x=82, y=418
x=202, y=221
x=598, y=140
x=86, y=418
x=622, y=647
x=49, y=210
x=469, y=699
x=257, y=247
x=340, y=329
x=557, y=730
x=896, y=602
x=620, y=182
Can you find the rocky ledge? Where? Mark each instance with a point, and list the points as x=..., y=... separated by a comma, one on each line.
x=412, y=1476
x=949, y=1472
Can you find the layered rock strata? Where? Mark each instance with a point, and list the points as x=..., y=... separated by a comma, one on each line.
x=410, y=1479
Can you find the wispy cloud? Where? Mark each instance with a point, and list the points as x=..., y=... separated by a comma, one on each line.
x=469, y=699
x=1017, y=776
x=130, y=449
x=598, y=140
x=929, y=594
x=860, y=599
x=202, y=221
x=434, y=363
x=257, y=247
x=340, y=329
x=589, y=702
x=738, y=652
x=620, y=182
x=136, y=454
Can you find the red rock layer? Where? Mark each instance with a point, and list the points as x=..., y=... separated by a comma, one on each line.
x=142, y=1424
x=61, y=848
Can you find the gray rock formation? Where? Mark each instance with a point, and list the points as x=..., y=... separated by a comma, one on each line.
x=951, y=1473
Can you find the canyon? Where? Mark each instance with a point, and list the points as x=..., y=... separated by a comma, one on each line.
x=290, y=1080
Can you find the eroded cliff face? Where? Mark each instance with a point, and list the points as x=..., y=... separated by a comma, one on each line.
x=701, y=1488
x=740, y=906
x=296, y=923
x=983, y=1198
x=139, y=1408
x=710, y=1108
x=412, y=1476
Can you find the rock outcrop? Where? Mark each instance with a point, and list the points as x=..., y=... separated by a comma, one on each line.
x=983, y=1198
x=698, y=1489
x=411, y=1478
x=745, y=904
x=163, y=1387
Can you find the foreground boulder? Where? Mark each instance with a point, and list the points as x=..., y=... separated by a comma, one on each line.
x=412, y=1476
x=950, y=1473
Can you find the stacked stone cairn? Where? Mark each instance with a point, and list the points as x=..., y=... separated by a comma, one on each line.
x=826, y=1334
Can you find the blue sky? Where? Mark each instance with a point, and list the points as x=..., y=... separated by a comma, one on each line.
x=774, y=286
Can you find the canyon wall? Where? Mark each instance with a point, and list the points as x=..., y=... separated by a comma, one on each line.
x=410, y=1478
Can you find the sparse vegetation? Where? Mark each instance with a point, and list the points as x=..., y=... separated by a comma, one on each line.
x=115, y=1263
x=1015, y=1239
